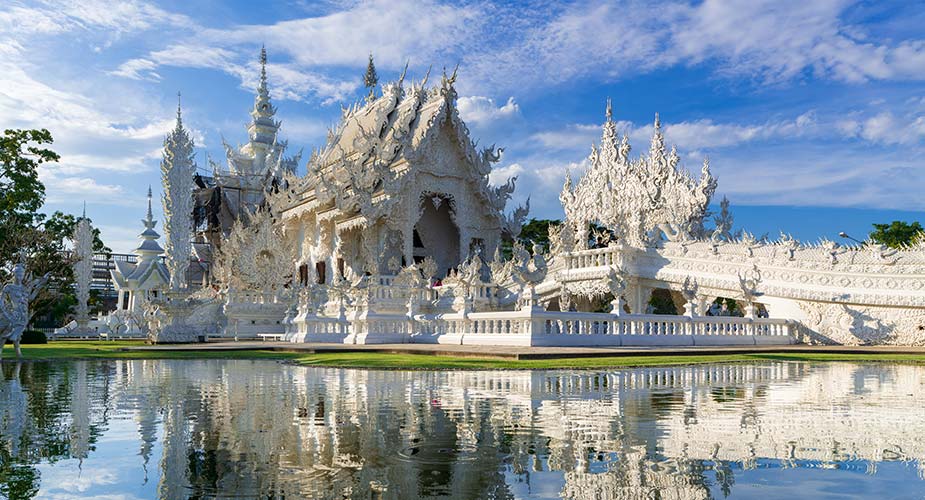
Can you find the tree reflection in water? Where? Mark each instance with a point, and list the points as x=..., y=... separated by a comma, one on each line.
x=207, y=429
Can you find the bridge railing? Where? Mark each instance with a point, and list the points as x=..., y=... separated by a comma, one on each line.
x=534, y=327
x=570, y=328
x=596, y=257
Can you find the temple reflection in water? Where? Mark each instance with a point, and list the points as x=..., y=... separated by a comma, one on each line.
x=209, y=428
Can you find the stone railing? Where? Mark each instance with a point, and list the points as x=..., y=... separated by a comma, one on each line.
x=597, y=257
x=253, y=297
x=312, y=328
x=547, y=328
x=535, y=327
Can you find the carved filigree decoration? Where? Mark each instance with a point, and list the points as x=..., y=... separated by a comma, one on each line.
x=178, y=167
x=256, y=256
x=633, y=197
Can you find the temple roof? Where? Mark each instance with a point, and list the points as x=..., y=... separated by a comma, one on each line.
x=149, y=258
x=262, y=156
x=366, y=154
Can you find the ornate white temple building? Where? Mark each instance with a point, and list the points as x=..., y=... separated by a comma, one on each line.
x=142, y=280
x=394, y=234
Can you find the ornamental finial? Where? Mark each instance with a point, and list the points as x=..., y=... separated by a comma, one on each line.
x=179, y=113
x=609, y=112
x=150, y=215
x=658, y=123
x=84, y=216
x=148, y=221
x=263, y=66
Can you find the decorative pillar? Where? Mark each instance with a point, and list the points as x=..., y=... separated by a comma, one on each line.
x=177, y=170
x=83, y=270
x=638, y=296
x=690, y=308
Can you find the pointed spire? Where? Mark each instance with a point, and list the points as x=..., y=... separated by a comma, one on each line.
x=609, y=112
x=657, y=149
x=179, y=112
x=263, y=128
x=149, y=220
x=263, y=68
x=84, y=216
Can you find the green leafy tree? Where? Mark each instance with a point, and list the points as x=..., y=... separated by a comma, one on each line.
x=21, y=153
x=897, y=233
x=29, y=236
x=537, y=231
x=370, y=79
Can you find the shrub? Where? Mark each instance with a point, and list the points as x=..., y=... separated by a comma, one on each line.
x=33, y=337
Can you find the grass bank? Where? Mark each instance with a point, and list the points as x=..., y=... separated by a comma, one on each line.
x=113, y=350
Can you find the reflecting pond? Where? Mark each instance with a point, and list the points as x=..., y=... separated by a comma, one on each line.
x=131, y=429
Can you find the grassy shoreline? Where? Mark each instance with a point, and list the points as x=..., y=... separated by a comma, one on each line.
x=112, y=350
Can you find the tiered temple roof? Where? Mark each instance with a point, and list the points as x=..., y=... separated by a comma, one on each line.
x=380, y=141
x=135, y=275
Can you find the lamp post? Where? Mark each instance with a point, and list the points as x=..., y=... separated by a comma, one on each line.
x=847, y=237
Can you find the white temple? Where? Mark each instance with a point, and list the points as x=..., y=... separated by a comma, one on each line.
x=394, y=235
x=140, y=281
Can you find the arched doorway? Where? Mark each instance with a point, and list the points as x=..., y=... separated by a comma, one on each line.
x=435, y=233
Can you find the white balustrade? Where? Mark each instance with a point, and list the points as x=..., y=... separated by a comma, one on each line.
x=573, y=329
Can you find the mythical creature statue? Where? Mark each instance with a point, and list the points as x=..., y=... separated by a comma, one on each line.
x=514, y=223
x=14, y=305
x=748, y=283
x=529, y=270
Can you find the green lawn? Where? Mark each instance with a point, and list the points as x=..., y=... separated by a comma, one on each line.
x=110, y=350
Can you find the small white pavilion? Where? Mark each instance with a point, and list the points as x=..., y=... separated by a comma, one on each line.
x=145, y=278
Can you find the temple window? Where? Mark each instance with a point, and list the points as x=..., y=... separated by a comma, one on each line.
x=320, y=272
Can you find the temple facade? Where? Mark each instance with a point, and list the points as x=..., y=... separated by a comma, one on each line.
x=399, y=181
x=393, y=234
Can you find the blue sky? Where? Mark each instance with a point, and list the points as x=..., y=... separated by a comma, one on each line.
x=798, y=105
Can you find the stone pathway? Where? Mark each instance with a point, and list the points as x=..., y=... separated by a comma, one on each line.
x=524, y=353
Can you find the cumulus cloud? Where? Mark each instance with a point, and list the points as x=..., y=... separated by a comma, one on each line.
x=500, y=175
x=886, y=128
x=482, y=110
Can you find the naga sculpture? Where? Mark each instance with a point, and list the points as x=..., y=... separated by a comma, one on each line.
x=14, y=306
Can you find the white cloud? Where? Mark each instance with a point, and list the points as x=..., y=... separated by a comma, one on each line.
x=302, y=132
x=686, y=135
x=138, y=69
x=763, y=40
x=68, y=189
x=500, y=175
x=482, y=110
x=572, y=137
x=393, y=30
x=121, y=239
x=885, y=128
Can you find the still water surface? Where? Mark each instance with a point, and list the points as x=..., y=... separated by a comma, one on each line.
x=261, y=429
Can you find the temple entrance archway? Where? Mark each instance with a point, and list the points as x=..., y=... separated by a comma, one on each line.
x=436, y=235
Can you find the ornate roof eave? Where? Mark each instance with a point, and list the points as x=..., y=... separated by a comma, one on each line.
x=357, y=221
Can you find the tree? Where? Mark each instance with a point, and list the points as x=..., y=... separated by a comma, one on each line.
x=21, y=191
x=48, y=252
x=371, y=79
x=29, y=236
x=537, y=231
x=897, y=233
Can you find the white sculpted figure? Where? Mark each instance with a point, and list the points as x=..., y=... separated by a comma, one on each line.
x=14, y=306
